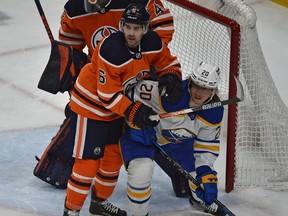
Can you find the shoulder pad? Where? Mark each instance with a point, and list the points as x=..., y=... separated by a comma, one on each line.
x=213, y=116
x=151, y=42
x=75, y=8
x=114, y=52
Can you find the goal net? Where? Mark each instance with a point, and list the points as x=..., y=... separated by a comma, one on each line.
x=224, y=32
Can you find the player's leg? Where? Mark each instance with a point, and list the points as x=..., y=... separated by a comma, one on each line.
x=138, y=160
x=79, y=184
x=107, y=175
x=89, y=139
x=183, y=153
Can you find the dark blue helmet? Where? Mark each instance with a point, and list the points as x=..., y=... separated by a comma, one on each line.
x=137, y=14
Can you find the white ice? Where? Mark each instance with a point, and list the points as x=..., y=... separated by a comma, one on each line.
x=30, y=117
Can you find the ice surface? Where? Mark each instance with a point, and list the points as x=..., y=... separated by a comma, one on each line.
x=30, y=117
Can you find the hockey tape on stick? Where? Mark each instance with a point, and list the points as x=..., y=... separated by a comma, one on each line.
x=44, y=20
x=239, y=97
x=224, y=211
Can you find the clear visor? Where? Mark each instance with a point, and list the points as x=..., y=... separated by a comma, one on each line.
x=92, y=6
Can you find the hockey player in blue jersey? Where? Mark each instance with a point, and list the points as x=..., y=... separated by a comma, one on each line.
x=191, y=139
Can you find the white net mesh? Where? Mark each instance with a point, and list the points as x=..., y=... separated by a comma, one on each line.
x=261, y=153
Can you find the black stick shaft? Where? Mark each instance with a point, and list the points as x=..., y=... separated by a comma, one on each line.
x=190, y=178
x=44, y=20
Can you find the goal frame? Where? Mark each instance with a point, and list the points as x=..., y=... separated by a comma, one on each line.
x=233, y=71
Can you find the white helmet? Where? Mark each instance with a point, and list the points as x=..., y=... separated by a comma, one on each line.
x=206, y=75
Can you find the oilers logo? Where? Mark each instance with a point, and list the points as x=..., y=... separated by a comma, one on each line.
x=134, y=80
x=101, y=33
x=97, y=151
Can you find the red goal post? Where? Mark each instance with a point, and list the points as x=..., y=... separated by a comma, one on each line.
x=233, y=62
x=224, y=32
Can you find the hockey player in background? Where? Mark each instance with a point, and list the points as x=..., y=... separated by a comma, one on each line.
x=191, y=139
x=99, y=102
x=83, y=24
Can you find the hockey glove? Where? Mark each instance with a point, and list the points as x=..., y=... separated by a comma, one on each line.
x=146, y=137
x=138, y=114
x=209, y=181
x=170, y=86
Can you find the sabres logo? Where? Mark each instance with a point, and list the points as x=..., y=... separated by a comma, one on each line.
x=101, y=33
x=177, y=135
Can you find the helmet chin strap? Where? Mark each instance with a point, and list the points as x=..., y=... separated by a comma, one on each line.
x=212, y=95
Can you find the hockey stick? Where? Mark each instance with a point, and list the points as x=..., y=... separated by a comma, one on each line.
x=44, y=20
x=221, y=209
x=239, y=97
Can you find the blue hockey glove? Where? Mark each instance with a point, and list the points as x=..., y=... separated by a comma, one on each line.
x=209, y=181
x=146, y=137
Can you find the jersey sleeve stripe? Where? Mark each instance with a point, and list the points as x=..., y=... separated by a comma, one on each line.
x=85, y=91
x=114, y=103
x=72, y=42
x=70, y=35
x=174, y=63
x=206, y=147
x=163, y=16
x=105, y=95
x=168, y=28
x=89, y=102
x=157, y=25
x=208, y=123
x=95, y=111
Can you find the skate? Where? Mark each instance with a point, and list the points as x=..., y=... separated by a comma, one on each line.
x=105, y=208
x=69, y=212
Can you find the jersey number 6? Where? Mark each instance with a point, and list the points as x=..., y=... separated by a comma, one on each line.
x=102, y=78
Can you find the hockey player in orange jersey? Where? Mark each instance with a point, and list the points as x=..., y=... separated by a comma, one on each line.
x=98, y=101
x=83, y=24
x=80, y=28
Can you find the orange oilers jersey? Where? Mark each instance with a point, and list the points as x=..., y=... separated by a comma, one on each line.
x=79, y=28
x=99, y=92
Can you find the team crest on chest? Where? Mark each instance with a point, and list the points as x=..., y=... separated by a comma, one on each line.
x=177, y=135
x=101, y=33
x=130, y=83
